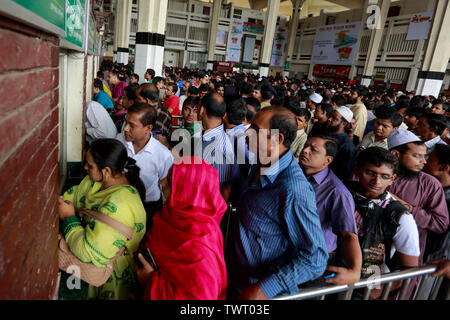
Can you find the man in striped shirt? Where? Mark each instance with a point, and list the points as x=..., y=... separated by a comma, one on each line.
x=277, y=240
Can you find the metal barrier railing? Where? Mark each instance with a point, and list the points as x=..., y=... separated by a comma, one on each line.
x=427, y=289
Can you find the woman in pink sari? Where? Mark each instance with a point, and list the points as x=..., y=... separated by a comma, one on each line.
x=185, y=239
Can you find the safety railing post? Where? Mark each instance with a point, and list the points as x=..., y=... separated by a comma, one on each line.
x=386, y=290
x=404, y=289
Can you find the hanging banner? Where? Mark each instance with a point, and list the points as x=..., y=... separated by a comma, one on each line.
x=75, y=22
x=419, y=26
x=234, y=43
x=336, y=44
x=253, y=27
x=329, y=71
x=221, y=38
x=279, y=43
x=249, y=49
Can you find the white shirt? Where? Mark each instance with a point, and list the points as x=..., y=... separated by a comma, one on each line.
x=98, y=122
x=406, y=239
x=182, y=99
x=431, y=143
x=154, y=160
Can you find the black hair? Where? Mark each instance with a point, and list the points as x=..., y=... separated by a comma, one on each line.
x=98, y=84
x=416, y=112
x=327, y=108
x=135, y=75
x=203, y=87
x=193, y=90
x=113, y=154
x=100, y=74
x=286, y=124
x=247, y=89
x=115, y=73
x=192, y=101
x=174, y=87
x=157, y=80
x=377, y=156
x=218, y=85
x=437, y=122
x=338, y=100
x=442, y=152
x=148, y=116
x=214, y=107
x=254, y=103
x=151, y=72
x=331, y=144
x=419, y=102
x=236, y=111
x=149, y=91
x=390, y=114
x=267, y=94
x=130, y=91
x=293, y=105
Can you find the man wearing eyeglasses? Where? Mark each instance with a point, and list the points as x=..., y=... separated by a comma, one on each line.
x=419, y=192
x=387, y=232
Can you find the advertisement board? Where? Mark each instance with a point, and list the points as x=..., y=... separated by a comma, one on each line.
x=279, y=44
x=234, y=41
x=419, y=26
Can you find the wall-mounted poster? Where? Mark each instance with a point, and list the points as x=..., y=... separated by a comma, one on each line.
x=336, y=44
x=221, y=38
x=279, y=43
x=249, y=49
x=419, y=26
x=234, y=41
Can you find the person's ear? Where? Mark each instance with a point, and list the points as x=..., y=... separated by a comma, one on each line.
x=444, y=168
x=107, y=173
x=396, y=153
x=149, y=128
x=328, y=160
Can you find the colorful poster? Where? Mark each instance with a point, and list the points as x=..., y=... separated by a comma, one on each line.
x=249, y=49
x=235, y=39
x=279, y=43
x=419, y=26
x=336, y=44
x=75, y=22
x=221, y=38
x=253, y=27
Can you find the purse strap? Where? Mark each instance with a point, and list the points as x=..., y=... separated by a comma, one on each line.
x=118, y=226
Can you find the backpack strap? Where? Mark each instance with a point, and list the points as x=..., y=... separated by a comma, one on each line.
x=392, y=214
x=116, y=225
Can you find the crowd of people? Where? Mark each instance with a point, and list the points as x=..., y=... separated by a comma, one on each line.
x=331, y=183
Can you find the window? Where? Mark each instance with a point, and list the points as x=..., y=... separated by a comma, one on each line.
x=206, y=10
x=330, y=20
x=394, y=11
x=259, y=21
x=193, y=8
x=251, y=20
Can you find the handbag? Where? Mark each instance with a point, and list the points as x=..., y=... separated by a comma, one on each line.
x=95, y=276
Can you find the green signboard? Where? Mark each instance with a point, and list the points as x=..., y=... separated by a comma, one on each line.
x=287, y=65
x=91, y=33
x=75, y=22
x=52, y=11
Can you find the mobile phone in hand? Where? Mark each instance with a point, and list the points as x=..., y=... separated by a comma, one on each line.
x=147, y=254
x=328, y=274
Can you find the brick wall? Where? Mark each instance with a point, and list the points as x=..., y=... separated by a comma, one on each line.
x=28, y=161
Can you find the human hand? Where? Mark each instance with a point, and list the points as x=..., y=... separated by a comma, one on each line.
x=65, y=208
x=253, y=292
x=343, y=275
x=409, y=207
x=144, y=274
x=443, y=269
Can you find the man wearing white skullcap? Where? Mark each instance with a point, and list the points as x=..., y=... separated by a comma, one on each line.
x=421, y=193
x=342, y=165
x=311, y=103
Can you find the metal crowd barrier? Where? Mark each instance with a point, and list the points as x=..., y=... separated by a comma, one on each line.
x=427, y=288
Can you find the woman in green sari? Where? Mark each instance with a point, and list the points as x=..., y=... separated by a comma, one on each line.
x=114, y=188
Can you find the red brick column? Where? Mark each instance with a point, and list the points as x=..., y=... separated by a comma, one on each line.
x=29, y=78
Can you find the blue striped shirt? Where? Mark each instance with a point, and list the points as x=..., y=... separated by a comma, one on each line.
x=278, y=241
x=217, y=150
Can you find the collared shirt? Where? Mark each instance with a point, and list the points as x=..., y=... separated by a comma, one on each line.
x=217, y=150
x=265, y=104
x=360, y=112
x=154, y=160
x=98, y=122
x=237, y=136
x=335, y=206
x=103, y=98
x=277, y=238
x=369, y=141
x=118, y=89
x=298, y=143
x=342, y=165
x=426, y=195
x=433, y=142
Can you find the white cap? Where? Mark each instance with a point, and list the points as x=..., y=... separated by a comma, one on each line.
x=399, y=137
x=316, y=98
x=400, y=93
x=346, y=113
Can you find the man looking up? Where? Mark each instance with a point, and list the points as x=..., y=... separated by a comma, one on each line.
x=429, y=128
x=342, y=165
x=420, y=193
x=277, y=240
x=335, y=208
x=151, y=156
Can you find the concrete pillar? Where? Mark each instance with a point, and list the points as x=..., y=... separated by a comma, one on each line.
x=437, y=52
x=293, y=26
x=273, y=7
x=150, y=36
x=375, y=40
x=123, y=30
x=213, y=24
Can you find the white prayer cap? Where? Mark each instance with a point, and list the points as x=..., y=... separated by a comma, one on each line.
x=399, y=137
x=346, y=113
x=316, y=98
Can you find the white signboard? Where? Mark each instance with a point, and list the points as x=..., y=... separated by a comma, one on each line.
x=279, y=43
x=249, y=49
x=336, y=44
x=419, y=26
x=234, y=42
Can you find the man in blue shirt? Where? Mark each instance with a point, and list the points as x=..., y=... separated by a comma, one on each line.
x=278, y=242
x=101, y=96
